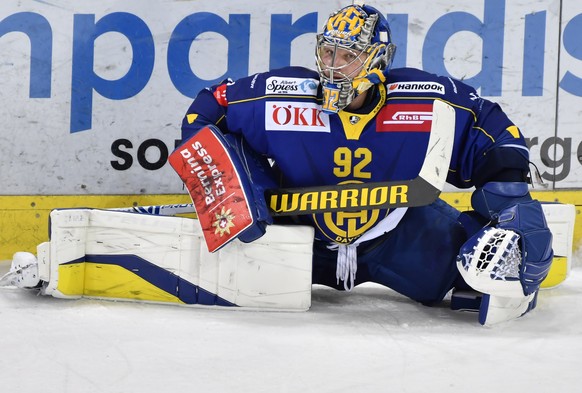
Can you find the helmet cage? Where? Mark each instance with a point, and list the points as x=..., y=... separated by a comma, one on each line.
x=346, y=71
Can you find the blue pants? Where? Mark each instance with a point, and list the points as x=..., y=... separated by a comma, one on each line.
x=416, y=259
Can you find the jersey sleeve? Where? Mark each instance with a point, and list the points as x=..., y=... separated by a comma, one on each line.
x=489, y=146
x=232, y=107
x=209, y=107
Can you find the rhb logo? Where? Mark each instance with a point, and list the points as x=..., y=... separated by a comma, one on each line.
x=220, y=95
x=405, y=118
x=295, y=116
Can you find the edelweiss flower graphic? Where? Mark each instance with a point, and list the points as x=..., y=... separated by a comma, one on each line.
x=223, y=222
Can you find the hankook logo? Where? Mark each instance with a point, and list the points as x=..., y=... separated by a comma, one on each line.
x=416, y=87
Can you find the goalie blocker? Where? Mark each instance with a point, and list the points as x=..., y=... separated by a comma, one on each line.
x=224, y=179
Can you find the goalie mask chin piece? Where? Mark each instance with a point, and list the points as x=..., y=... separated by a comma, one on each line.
x=353, y=53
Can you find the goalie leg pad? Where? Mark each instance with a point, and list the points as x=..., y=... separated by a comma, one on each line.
x=492, y=310
x=498, y=309
x=138, y=257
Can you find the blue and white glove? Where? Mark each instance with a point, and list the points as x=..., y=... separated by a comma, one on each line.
x=511, y=257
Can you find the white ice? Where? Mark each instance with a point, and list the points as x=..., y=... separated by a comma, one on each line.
x=370, y=340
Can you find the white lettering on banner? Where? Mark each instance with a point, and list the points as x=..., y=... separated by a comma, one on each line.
x=416, y=87
x=295, y=116
x=296, y=86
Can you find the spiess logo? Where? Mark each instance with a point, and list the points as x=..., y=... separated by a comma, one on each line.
x=295, y=116
x=295, y=86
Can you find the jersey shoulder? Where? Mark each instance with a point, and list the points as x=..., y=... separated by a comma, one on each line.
x=288, y=81
x=418, y=83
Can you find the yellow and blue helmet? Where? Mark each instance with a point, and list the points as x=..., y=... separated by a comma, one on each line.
x=353, y=53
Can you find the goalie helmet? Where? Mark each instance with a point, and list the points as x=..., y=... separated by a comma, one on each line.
x=354, y=52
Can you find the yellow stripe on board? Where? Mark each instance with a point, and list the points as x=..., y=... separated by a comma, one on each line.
x=108, y=281
x=24, y=219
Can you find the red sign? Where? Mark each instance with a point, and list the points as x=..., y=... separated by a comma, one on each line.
x=405, y=118
x=220, y=95
x=208, y=171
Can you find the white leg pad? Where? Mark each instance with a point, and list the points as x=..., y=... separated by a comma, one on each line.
x=140, y=257
x=498, y=309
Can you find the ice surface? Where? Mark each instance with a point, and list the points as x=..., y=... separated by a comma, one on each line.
x=370, y=340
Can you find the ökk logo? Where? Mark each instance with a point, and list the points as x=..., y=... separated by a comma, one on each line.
x=294, y=116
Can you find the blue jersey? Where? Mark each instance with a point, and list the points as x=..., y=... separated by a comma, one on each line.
x=279, y=114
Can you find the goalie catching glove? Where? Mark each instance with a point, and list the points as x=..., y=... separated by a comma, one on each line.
x=508, y=260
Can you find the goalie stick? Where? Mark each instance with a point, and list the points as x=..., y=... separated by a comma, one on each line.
x=420, y=191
